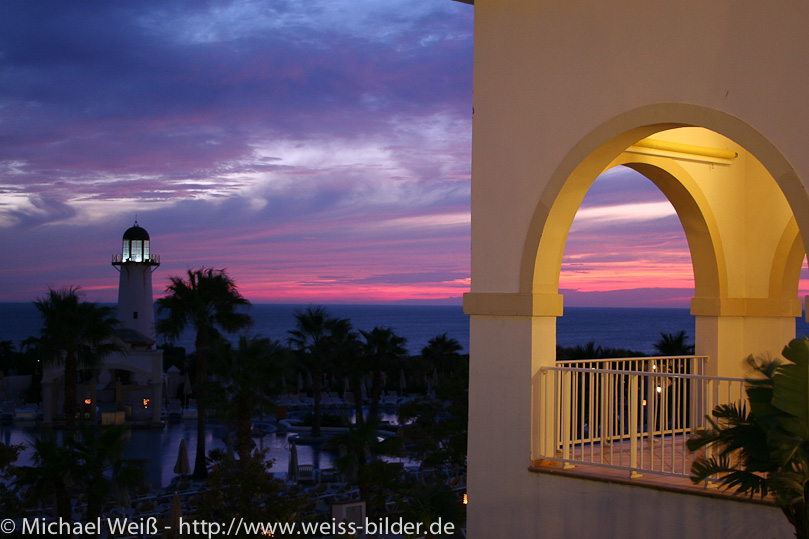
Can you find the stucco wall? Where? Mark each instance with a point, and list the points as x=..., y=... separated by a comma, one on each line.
x=548, y=75
x=562, y=88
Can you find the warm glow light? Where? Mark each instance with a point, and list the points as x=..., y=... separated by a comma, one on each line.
x=145, y=403
x=659, y=389
x=644, y=402
x=88, y=401
x=465, y=500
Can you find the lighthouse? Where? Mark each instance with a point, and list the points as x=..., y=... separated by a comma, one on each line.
x=128, y=385
x=135, y=264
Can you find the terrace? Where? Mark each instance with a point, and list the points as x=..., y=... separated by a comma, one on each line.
x=626, y=418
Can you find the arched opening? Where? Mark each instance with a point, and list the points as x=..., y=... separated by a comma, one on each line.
x=626, y=263
x=743, y=236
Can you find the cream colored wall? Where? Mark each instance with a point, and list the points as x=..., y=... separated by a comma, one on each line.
x=561, y=90
x=551, y=76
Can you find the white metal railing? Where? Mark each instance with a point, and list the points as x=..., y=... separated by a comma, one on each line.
x=118, y=258
x=633, y=414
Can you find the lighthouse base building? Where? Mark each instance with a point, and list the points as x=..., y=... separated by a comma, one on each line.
x=128, y=386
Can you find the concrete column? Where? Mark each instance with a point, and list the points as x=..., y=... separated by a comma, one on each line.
x=728, y=330
x=511, y=337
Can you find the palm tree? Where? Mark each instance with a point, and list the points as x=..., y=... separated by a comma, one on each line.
x=674, y=344
x=51, y=474
x=312, y=341
x=764, y=449
x=382, y=346
x=100, y=466
x=359, y=448
x=246, y=373
x=9, y=474
x=349, y=362
x=442, y=351
x=76, y=334
x=207, y=300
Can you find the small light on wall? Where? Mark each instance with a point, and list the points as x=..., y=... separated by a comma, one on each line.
x=644, y=402
x=659, y=389
x=465, y=499
x=145, y=403
x=88, y=402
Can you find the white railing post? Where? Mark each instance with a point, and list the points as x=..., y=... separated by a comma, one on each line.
x=633, y=424
x=606, y=412
x=540, y=414
x=651, y=401
x=566, y=403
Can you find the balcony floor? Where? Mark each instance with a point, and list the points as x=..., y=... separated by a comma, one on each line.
x=659, y=461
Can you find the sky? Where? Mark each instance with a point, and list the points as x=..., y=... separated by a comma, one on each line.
x=319, y=151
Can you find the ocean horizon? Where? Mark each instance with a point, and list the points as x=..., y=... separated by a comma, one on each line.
x=636, y=329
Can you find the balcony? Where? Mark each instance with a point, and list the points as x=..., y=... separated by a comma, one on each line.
x=152, y=260
x=628, y=417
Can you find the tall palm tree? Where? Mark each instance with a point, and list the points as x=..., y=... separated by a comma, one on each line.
x=442, y=351
x=382, y=346
x=51, y=474
x=359, y=448
x=207, y=301
x=762, y=446
x=76, y=334
x=100, y=465
x=349, y=362
x=674, y=344
x=246, y=373
x=312, y=340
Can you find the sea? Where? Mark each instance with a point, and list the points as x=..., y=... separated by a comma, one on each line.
x=635, y=329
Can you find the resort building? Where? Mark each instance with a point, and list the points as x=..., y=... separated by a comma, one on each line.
x=708, y=101
x=129, y=386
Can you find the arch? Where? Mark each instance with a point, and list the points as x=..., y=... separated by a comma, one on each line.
x=696, y=218
x=595, y=152
x=787, y=263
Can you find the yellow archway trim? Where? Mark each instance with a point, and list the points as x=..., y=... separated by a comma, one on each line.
x=696, y=218
x=493, y=304
x=765, y=307
x=594, y=152
x=679, y=187
x=787, y=262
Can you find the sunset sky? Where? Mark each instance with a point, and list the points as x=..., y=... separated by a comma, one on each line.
x=317, y=150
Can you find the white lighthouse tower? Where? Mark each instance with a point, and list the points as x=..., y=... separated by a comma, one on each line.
x=136, y=264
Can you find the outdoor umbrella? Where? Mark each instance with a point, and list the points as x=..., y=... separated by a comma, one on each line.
x=182, y=467
x=123, y=498
x=175, y=514
x=292, y=470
